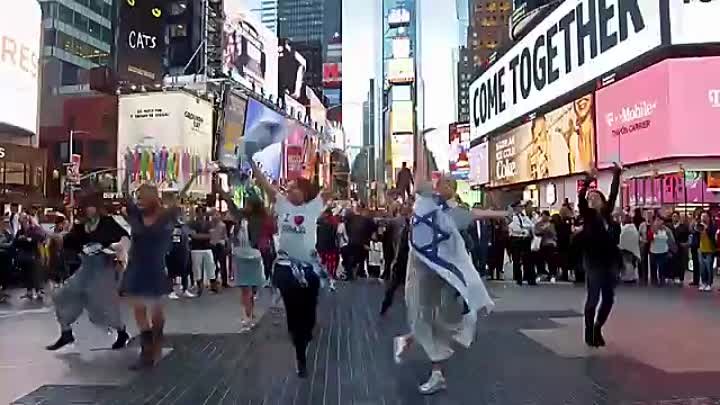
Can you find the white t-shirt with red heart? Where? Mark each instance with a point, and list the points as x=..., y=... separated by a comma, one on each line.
x=297, y=227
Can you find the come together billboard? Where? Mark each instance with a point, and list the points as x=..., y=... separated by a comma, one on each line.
x=554, y=144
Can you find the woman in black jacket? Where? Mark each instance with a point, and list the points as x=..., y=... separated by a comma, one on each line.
x=600, y=255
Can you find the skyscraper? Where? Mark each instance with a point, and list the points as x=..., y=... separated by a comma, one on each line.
x=269, y=14
x=488, y=28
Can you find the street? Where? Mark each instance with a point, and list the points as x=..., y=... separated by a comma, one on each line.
x=661, y=350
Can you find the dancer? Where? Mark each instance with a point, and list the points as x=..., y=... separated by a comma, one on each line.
x=146, y=280
x=443, y=291
x=601, y=258
x=252, y=250
x=296, y=272
x=93, y=287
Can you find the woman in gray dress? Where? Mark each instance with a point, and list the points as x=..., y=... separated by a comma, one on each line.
x=146, y=280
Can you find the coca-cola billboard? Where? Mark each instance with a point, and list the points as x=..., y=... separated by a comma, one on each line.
x=667, y=110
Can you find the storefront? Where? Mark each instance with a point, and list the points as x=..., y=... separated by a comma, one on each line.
x=22, y=174
x=666, y=133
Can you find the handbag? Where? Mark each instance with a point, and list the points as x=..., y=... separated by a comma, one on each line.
x=536, y=243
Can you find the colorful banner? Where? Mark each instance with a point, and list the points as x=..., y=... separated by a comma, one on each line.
x=554, y=144
x=269, y=158
x=677, y=116
x=459, y=151
x=479, y=164
x=232, y=130
x=293, y=162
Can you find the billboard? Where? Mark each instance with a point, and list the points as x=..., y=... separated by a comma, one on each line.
x=554, y=144
x=560, y=54
x=140, y=41
x=402, y=150
x=678, y=115
x=163, y=138
x=292, y=68
x=479, y=164
x=459, y=151
x=250, y=51
x=400, y=71
x=332, y=75
x=398, y=17
x=401, y=47
x=20, y=32
x=269, y=160
x=401, y=117
x=690, y=21
x=233, y=128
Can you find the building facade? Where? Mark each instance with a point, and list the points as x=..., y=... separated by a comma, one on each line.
x=488, y=29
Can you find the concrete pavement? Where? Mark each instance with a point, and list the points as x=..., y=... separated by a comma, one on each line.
x=661, y=350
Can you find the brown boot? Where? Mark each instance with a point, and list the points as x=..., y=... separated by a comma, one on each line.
x=158, y=340
x=146, y=351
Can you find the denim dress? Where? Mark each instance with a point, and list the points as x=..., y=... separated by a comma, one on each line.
x=146, y=274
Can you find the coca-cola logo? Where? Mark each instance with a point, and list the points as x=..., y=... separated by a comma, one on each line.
x=638, y=111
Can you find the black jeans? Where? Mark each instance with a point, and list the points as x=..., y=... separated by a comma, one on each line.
x=30, y=269
x=399, y=273
x=300, y=305
x=546, y=260
x=644, y=268
x=220, y=256
x=696, y=266
x=523, y=266
x=496, y=259
x=178, y=266
x=600, y=283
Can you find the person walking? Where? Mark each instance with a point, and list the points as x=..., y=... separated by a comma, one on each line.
x=146, y=279
x=706, y=232
x=94, y=286
x=600, y=255
x=297, y=269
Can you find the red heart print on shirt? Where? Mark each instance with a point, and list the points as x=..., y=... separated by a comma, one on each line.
x=299, y=219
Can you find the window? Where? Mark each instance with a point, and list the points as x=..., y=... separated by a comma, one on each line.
x=65, y=14
x=69, y=74
x=81, y=22
x=49, y=37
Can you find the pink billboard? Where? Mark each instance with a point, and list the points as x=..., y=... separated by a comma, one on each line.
x=671, y=109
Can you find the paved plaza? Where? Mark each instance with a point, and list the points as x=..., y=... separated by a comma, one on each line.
x=662, y=349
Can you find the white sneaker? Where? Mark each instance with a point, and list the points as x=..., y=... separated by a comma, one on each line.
x=188, y=294
x=435, y=384
x=400, y=343
x=701, y=287
x=708, y=288
x=173, y=296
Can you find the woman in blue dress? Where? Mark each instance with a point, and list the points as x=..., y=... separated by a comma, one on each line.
x=146, y=280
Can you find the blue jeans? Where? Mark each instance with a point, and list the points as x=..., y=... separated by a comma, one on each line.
x=707, y=272
x=659, y=267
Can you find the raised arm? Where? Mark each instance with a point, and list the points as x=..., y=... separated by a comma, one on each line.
x=263, y=182
x=234, y=210
x=614, y=189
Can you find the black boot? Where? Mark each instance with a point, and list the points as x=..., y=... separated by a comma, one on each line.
x=589, y=337
x=301, y=358
x=65, y=339
x=146, y=351
x=598, y=339
x=122, y=339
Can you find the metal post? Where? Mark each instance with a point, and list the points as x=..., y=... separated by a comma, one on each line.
x=72, y=188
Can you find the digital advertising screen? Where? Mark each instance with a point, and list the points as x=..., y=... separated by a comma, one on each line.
x=140, y=41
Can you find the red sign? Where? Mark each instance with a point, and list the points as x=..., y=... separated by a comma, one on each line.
x=293, y=162
x=332, y=75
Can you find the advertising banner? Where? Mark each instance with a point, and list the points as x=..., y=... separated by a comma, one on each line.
x=691, y=21
x=402, y=150
x=401, y=47
x=554, y=144
x=401, y=117
x=459, y=151
x=479, y=164
x=232, y=129
x=250, y=51
x=140, y=41
x=332, y=75
x=563, y=51
x=163, y=138
x=398, y=17
x=20, y=31
x=400, y=71
x=294, y=162
x=269, y=159
x=676, y=116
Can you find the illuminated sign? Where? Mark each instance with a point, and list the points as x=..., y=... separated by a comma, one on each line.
x=332, y=75
x=401, y=71
x=401, y=117
x=398, y=17
x=140, y=42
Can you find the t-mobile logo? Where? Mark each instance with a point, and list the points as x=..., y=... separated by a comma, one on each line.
x=714, y=97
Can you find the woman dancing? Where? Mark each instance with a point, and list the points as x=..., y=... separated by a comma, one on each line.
x=601, y=258
x=296, y=271
x=94, y=286
x=443, y=291
x=146, y=280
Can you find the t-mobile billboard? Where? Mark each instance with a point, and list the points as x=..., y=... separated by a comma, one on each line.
x=671, y=109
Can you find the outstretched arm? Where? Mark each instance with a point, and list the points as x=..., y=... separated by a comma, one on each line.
x=614, y=188
x=236, y=212
x=263, y=182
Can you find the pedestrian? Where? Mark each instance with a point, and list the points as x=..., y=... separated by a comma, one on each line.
x=7, y=256
x=404, y=182
x=327, y=244
x=178, y=259
x=146, y=279
x=630, y=250
x=297, y=269
x=94, y=286
x=498, y=247
x=600, y=255
x=443, y=291
x=661, y=249
x=201, y=254
x=360, y=228
x=521, y=228
x=57, y=265
x=401, y=231
x=563, y=229
x=706, y=232
x=645, y=229
x=27, y=242
x=219, y=246
x=681, y=234
x=375, y=261
x=546, y=256
x=253, y=239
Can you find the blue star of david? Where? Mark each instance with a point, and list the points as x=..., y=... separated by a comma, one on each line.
x=438, y=234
